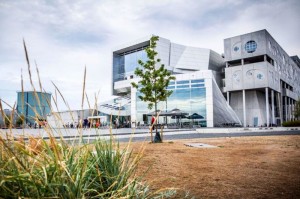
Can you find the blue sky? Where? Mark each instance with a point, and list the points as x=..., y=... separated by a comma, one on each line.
x=64, y=36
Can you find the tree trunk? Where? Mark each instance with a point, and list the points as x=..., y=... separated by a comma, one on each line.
x=157, y=138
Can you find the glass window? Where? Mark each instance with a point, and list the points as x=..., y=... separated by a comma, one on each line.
x=171, y=83
x=250, y=46
x=131, y=60
x=183, y=86
x=191, y=101
x=183, y=82
x=125, y=64
x=197, y=85
x=197, y=80
x=170, y=87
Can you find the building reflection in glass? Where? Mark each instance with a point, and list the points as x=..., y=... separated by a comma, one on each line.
x=189, y=96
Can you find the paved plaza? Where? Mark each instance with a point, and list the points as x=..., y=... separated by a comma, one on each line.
x=124, y=134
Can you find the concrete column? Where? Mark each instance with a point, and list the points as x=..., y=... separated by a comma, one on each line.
x=226, y=64
x=293, y=109
x=280, y=107
x=290, y=108
x=228, y=102
x=285, y=108
x=242, y=62
x=273, y=107
x=244, y=108
x=265, y=57
x=267, y=106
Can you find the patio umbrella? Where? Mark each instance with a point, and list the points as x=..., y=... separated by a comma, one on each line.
x=195, y=116
x=177, y=114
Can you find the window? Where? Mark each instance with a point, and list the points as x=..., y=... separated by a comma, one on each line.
x=183, y=82
x=171, y=87
x=171, y=83
x=183, y=86
x=197, y=85
x=197, y=80
x=250, y=46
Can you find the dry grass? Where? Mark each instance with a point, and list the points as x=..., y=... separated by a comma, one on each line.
x=244, y=167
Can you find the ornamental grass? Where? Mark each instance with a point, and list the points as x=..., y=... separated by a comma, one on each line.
x=34, y=167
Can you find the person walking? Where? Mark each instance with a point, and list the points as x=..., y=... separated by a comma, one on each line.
x=117, y=122
x=85, y=123
x=152, y=122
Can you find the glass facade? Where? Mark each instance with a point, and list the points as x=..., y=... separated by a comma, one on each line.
x=188, y=96
x=126, y=63
x=131, y=60
x=33, y=105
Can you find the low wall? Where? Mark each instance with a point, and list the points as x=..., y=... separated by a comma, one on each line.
x=236, y=130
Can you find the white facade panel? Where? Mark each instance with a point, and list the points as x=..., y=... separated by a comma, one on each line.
x=190, y=58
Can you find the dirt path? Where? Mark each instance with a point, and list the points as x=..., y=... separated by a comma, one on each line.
x=243, y=167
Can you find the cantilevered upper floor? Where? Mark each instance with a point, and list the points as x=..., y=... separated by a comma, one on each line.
x=178, y=59
x=255, y=60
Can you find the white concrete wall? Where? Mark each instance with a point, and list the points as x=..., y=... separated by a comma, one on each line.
x=189, y=58
x=255, y=106
x=284, y=67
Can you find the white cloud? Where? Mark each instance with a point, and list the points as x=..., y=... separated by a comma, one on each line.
x=65, y=36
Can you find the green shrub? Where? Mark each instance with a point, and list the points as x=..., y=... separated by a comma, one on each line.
x=295, y=123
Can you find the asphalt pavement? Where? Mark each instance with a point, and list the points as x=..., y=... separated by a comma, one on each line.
x=125, y=134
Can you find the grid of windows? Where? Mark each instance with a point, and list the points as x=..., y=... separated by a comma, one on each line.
x=182, y=84
x=131, y=60
x=125, y=64
x=189, y=98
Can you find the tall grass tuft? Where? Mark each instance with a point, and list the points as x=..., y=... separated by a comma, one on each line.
x=32, y=167
x=52, y=169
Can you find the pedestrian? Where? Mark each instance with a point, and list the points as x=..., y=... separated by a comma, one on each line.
x=152, y=122
x=117, y=122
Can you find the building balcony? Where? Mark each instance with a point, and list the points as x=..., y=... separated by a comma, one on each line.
x=288, y=93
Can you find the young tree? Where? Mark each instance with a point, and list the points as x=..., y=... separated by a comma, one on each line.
x=154, y=81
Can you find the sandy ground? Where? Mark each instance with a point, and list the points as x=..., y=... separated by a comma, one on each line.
x=242, y=167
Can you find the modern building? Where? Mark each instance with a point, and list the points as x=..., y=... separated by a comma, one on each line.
x=262, y=81
x=72, y=118
x=7, y=113
x=33, y=105
x=255, y=82
x=197, y=90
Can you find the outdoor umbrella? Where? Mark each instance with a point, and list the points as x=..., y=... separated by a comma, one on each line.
x=177, y=114
x=195, y=116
